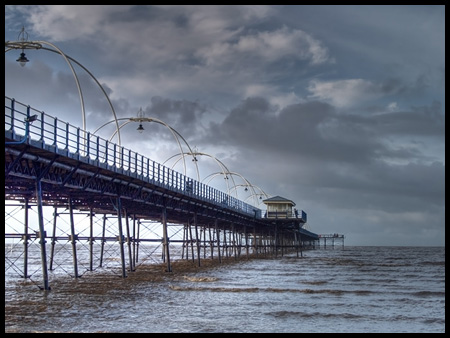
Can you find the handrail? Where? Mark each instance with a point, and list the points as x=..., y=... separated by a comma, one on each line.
x=286, y=214
x=60, y=136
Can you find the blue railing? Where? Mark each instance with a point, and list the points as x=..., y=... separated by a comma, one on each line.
x=62, y=138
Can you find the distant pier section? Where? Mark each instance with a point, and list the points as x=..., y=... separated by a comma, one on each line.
x=330, y=240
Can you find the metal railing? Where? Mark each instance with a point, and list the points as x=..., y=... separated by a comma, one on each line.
x=24, y=124
x=286, y=214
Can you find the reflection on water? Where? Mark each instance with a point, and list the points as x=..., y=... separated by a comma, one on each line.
x=358, y=289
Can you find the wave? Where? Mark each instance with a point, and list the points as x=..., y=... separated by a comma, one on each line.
x=346, y=315
x=216, y=289
x=314, y=314
x=267, y=290
x=438, y=263
x=429, y=294
x=337, y=292
x=318, y=282
x=201, y=279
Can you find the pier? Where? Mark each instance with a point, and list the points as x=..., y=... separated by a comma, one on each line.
x=333, y=239
x=70, y=193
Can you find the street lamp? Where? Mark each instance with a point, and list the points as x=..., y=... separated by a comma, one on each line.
x=23, y=37
x=195, y=154
x=22, y=60
x=257, y=196
x=141, y=118
x=23, y=43
x=140, y=114
x=230, y=174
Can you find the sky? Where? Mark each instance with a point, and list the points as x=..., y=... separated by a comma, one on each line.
x=338, y=108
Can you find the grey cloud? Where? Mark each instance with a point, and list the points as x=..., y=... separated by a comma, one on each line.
x=424, y=120
x=247, y=124
x=182, y=115
x=340, y=160
x=381, y=186
x=310, y=129
x=357, y=139
x=180, y=51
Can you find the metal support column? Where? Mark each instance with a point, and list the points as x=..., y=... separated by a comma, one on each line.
x=282, y=242
x=247, y=249
x=119, y=221
x=197, y=240
x=166, y=240
x=73, y=239
x=300, y=244
x=225, y=245
x=42, y=234
x=91, y=239
x=204, y=241
x=216, y=225
x=134, y=242
x=211, y=242
x=130, y=256
x=53, y=242
x=25, y=242
x=255, y=242
x=185, y=242
x=233, y=241
x=138, y=241
x=191, y=240
x=102, y=247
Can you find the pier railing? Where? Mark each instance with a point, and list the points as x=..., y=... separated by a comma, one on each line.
x=287, y=214
x=24, y=124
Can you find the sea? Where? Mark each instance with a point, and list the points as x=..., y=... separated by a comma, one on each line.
x=351, y=289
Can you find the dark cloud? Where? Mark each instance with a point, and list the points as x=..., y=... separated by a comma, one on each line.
x=320, y=104
x=419, y=121
x=317, y=130
x=316, y=155
x=183, y=115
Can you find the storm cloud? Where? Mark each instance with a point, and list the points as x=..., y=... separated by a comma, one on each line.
x=338, y=108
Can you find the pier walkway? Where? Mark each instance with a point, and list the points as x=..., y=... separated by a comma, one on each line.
x=101, y=195
x=333, y=239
